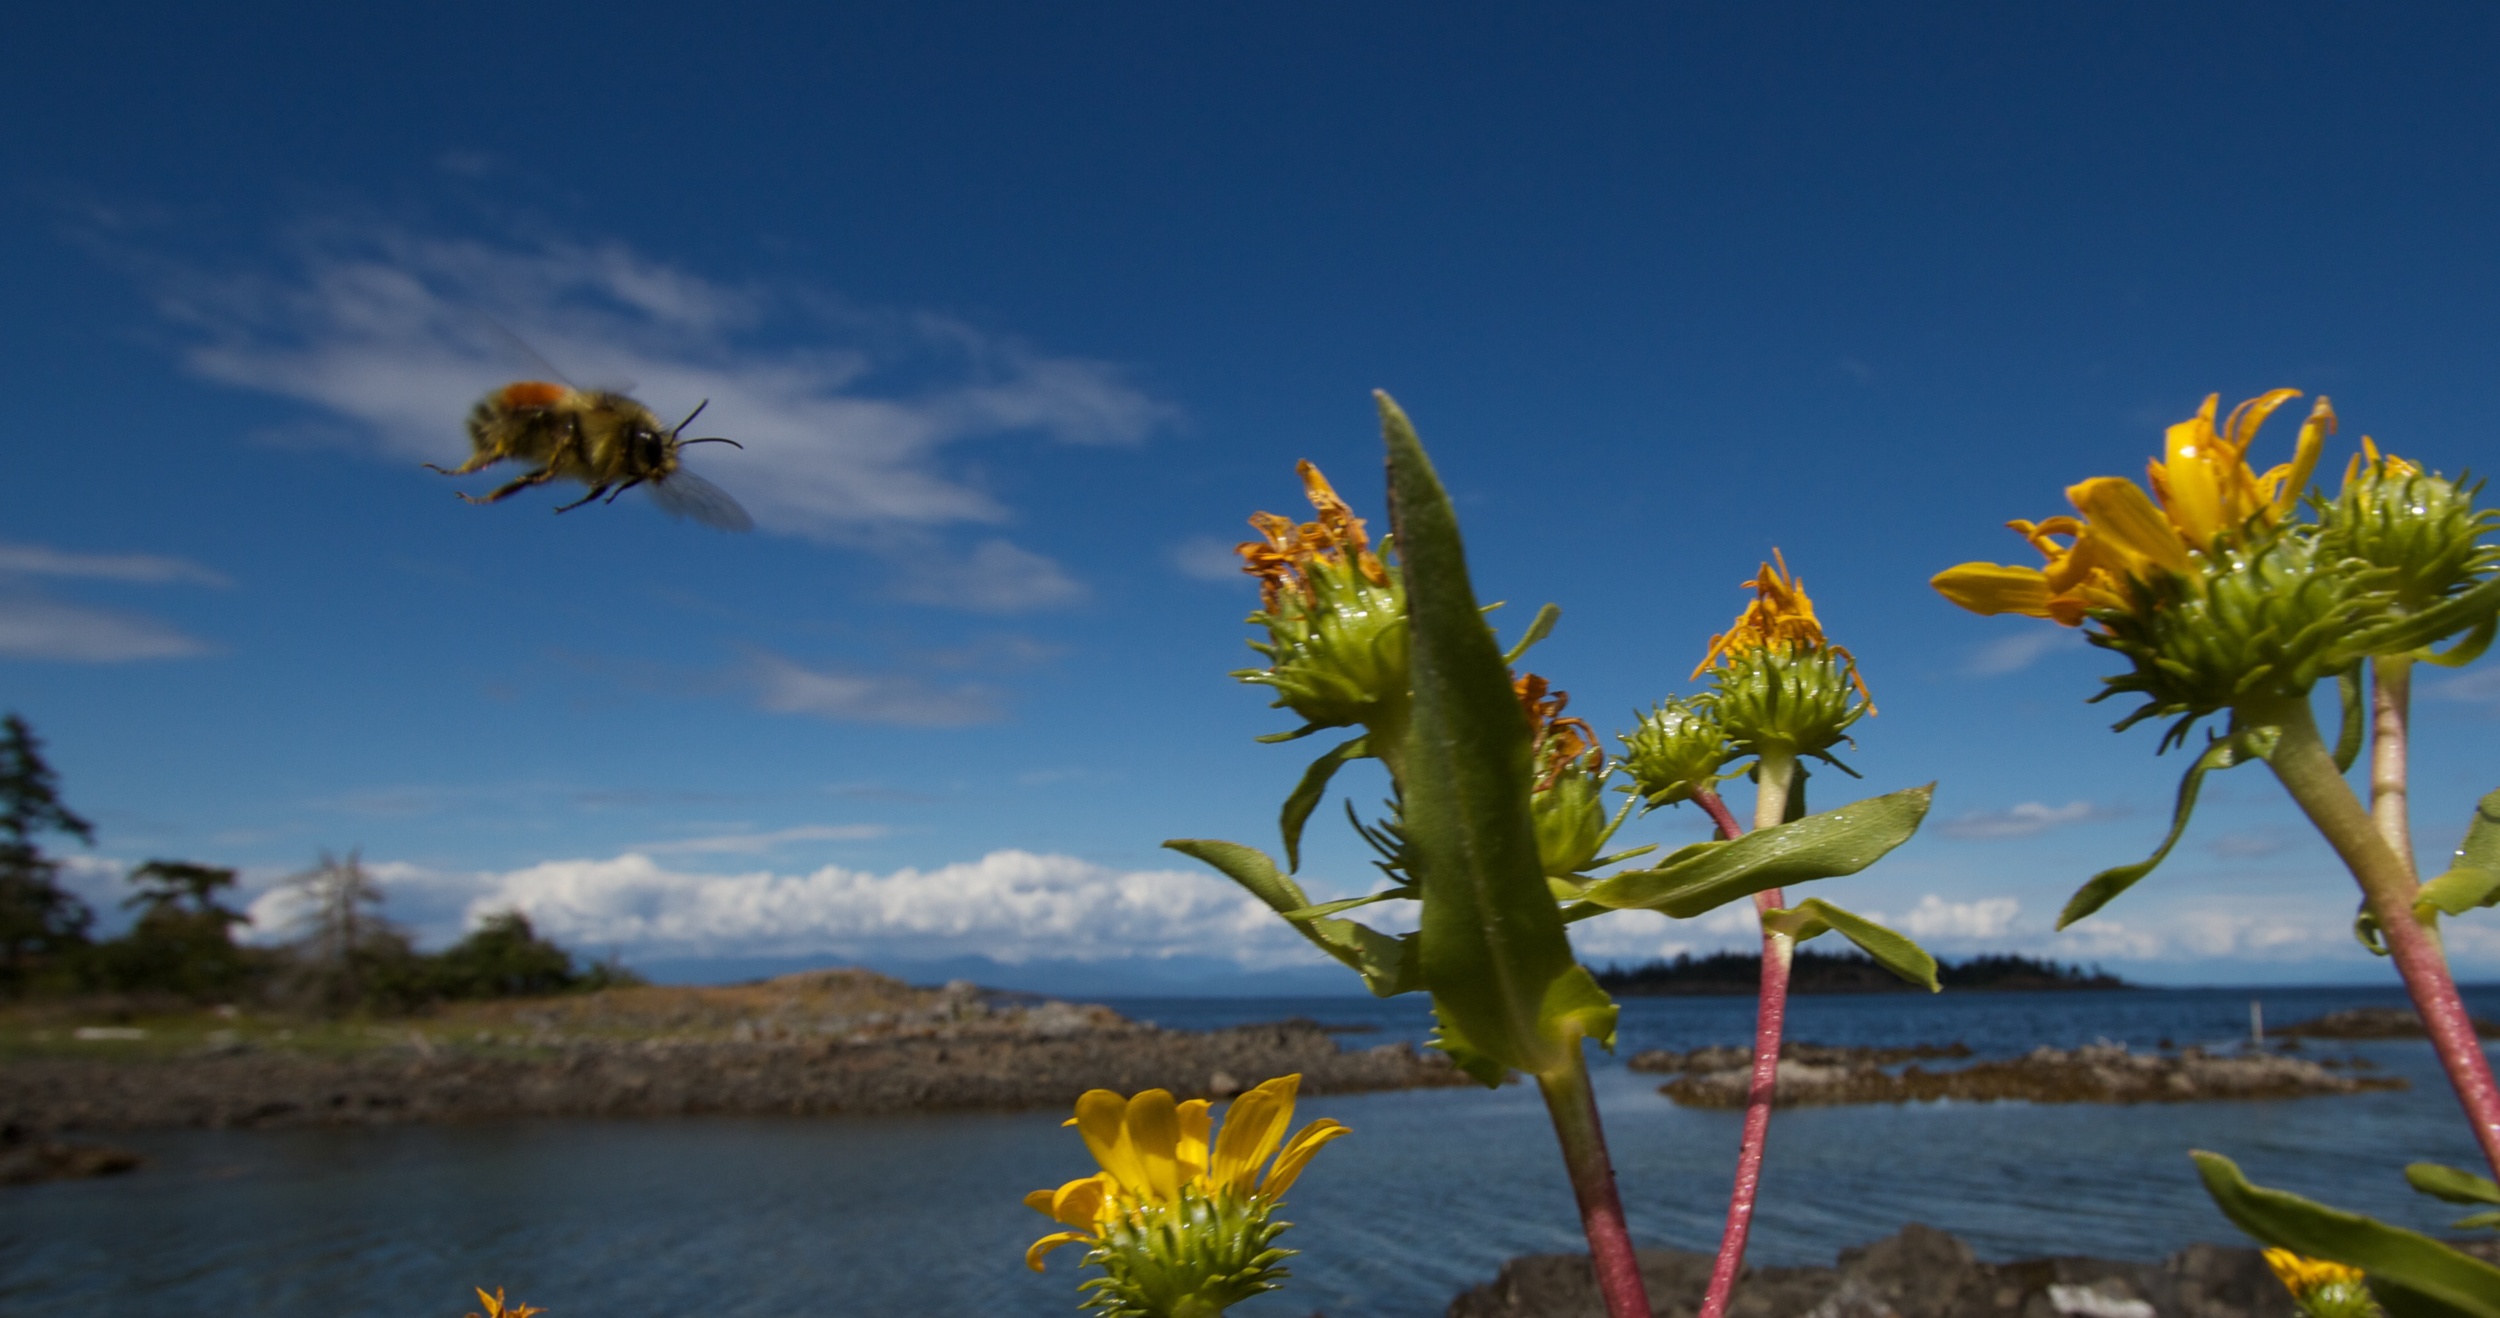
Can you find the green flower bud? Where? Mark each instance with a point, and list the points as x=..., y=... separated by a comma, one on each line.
x=1335, y=614
x=1785, y=697
x=2269, y=619
x=1677, y=749
x=2422, y=528
x=1571, y=822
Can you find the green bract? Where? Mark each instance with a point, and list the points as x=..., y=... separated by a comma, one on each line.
x=2266, y=620
x=1571, y=821
x=1190, y=1259
x=1677, y=749
x=1337, y=650
x=1786, y=698
x=2421, y=528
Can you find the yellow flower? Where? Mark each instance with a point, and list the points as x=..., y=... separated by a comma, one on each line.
x=496, y=1308
x=2206, y=491
x=1156, y=1153
x=1781, y=616
x=2323, y=1289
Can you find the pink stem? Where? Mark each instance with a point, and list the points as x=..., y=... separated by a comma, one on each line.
x=1769, y=1022
x=1573, y=1107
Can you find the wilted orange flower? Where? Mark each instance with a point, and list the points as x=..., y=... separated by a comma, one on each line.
x=496, y=1308
x=1283, y=559
x=2205, y=490
x=1780, y=615
x=1558, y=742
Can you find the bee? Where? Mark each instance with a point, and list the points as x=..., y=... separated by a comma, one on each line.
x=601, y=438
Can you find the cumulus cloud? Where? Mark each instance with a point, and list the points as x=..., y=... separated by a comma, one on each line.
x=2025, y=820
x=2013, y=654
x=848, y=417
x=1934, y=917
x=785, y=687
x=1009, y=905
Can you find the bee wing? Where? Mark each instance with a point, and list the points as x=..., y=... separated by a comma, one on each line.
x=684, y=494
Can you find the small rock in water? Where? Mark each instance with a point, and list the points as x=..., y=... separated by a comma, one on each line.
x=1222, y=1085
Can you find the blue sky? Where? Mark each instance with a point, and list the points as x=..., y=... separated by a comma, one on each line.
x=1019, y=310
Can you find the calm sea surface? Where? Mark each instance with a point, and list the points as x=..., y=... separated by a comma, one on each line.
x=921, y=1215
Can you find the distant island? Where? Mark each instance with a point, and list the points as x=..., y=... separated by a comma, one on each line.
x=1736, y=973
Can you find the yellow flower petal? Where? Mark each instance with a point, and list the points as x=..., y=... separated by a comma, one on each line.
x=1033, y=1256
x=2190, y=477
x=1039, y=1200
x=2241, y=430
x=1197, y=1131
x=2123, y=517
x=1102, y=1118
x=1993, y=588
x=1154, y=1137
x=1081, y=1202
x=1253, y=1126
x=1297, y=1155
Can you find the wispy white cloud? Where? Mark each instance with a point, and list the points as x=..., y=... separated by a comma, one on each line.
x=2013, y=654
x=1205, y=558
x=2028, y=819
x=996, y=577
x=36, y=626
x=784, y=687
x=757, y=844
x=847, y=416
x=2481, y=687
x=21, y=560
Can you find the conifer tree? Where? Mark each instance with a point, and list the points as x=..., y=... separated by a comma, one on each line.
x=39, y=919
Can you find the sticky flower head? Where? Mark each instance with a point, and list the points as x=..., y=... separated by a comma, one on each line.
x=1676, y=749
x=1335, y=614
x=2204, y=496
x=1567, y=800
x=1180, y=1218
x=1780, y=686
x=2320, y=1288
x=2420, y=527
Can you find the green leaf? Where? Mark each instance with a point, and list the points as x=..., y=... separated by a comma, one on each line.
x=2409, y=1272
x=1890, y=950
x=1348, y=904
x=1306, y=795
x=2467, y=649
x=1387, y=964
x=1501, y=971
x=1707, y=875
x=2356, y=718
x=2454, y=1184
x=2476, y=1221
x=2473, y=876
x=1296, y=735
x=2238, y=747
x=1539, y=627
x=2426, y=627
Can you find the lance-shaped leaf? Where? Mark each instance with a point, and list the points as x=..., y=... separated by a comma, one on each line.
x=1306, y=795
x=1707, y=875
x=2457, y=1186
x=2356, y=718
x=2463, y=612
x=2237, y=748
x=1387, y=963
x=2473, y=876
x=2468, y=648
x=1539, y=627
x=2410, y=1273
x=1891, y=951
x=1503, y=979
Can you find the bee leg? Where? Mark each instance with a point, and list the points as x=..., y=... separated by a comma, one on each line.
x=538, y=477
x=620, y=490
x=477, y=460
x=595, y=492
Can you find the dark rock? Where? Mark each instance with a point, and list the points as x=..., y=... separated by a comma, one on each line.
x=1920, y=1273
x=1729, y=1057
x=2373, y=1023
x=2098, y=1073
x=26, y=1161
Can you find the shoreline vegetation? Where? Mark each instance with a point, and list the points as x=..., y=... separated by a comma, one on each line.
x=1739, y=974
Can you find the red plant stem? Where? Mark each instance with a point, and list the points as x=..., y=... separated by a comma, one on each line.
x=2391, y=690
x=1573, y=1107
x=1770, y=1021
x=2303, y=765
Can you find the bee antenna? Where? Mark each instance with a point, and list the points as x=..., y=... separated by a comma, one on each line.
x=690, y=416
x=711, y=439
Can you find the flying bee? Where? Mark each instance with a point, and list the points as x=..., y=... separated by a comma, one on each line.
x=601, y=438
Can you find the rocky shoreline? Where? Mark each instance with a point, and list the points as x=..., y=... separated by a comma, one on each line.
x=834, y=1042
x=1920, y=1273
x=1811, y=1075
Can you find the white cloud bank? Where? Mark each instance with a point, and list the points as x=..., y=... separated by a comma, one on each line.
x=846, y=415
x=2028, y=819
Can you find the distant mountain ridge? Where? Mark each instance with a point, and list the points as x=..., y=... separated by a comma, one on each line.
x=1735, y=973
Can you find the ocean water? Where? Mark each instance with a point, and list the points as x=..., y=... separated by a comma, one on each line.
x=922, y=1215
